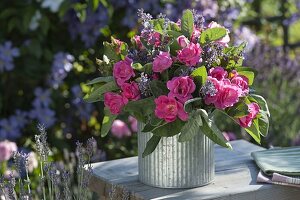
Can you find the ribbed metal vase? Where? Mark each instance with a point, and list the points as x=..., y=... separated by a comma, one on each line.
x=176, y=165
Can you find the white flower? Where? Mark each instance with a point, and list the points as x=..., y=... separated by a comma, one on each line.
x=53, y=5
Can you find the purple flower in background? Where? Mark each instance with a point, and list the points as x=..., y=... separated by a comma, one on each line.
x=89, y=29
x=42, y=97
x=9, y=129
x=244, y=34
x=84, y=110
x=45, y=116
x=61, y=66
x=20, y=119
x=7, y=55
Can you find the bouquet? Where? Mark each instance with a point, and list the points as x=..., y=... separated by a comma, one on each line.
x=173, y=78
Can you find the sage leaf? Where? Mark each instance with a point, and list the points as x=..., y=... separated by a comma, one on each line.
x=151, y=145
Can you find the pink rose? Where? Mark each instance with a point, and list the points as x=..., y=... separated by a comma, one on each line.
x=226, y=39
x=168, y=108
x=224, y=94
x=162, y=62
x=182, y=41
x=154, y=39
x=195, y=35
x=123, y=71
x=120, y=129
x=133, y=123
x=219, y=73
x=114, y=102
x=118, y=44
x=131, y=91
x=242, y=83
x=246, y=121
x=137, y=40
x=181, y=88
x=227, y=97
x=217, y=87
x=190, y=55
x=6, y=150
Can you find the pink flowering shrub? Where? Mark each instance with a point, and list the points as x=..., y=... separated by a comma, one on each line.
x=176, y=74
x=6, y=150
x=120, y=129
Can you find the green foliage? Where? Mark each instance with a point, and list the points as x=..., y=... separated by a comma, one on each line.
x=151, y=145
x=238, y=110
x=141, y=109
x=212, y=34
x=105, y=79
x=253, y=131
x=210, y=129
x=199, y=75
x=187, y=23
x=191, y=127
x=97, y=93
x=107, y=121
x=192, y=104
x=158, y=88
x=169, y=129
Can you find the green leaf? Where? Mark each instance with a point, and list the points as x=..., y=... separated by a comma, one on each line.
x=188, y=107
x=158, y=88
x=263, y=122
x=249, y=74
x=239, y=109
x=210, y=129
x=141, y=109
x=253, y=131
x=200, y=76
x=262, y=103
x=107, y=122
x=169, y=129
x=109, y=51
x=151, y=145
x=96, y=94
x=148, y=68
x=187, y=23
x=236, y=50
x=138, y=67
x=191, y=128
x=247, y=69
x=212, y=34
x=152, y=124
x=101, y=80
x=158, y=25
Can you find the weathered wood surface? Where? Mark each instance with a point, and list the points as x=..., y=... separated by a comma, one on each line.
x=235, y=180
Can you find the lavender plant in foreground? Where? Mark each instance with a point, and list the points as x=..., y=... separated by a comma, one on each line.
x=56, y=182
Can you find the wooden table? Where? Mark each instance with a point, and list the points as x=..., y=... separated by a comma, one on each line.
x=235, y=180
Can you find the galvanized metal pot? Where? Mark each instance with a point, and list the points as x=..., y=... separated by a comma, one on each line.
x=176, y=165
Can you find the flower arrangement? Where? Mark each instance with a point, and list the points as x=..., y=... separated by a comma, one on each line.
x=174, y=77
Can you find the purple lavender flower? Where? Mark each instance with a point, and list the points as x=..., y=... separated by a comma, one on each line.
x=61, y=66
x=9, y=129
x=7, y=55
x=84, y=110
x=42, y=97
x=89, y=30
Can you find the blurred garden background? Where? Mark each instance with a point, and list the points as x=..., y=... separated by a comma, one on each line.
x=48, y=51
